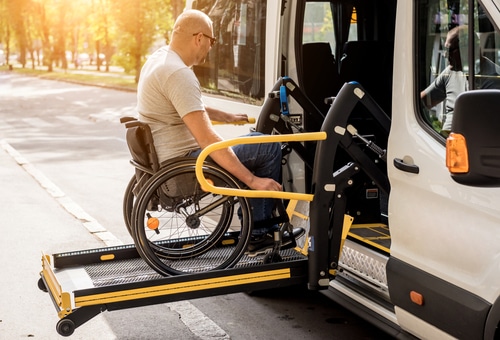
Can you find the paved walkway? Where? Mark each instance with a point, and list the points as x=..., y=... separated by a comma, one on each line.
x=31, y=220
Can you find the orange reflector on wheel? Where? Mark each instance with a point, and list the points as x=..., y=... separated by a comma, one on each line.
x=153, y=223
x=457, y=159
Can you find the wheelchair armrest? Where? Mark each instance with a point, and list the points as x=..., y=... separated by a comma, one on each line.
x=127, y=119
x=141, y=167
x=133, y=123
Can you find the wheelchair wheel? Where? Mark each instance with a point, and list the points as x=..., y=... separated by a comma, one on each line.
x=180, y=228
x=128, y=204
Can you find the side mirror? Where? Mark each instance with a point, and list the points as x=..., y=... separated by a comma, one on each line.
x=473, y=147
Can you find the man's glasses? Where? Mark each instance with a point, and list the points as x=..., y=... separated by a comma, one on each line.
x=212, y=39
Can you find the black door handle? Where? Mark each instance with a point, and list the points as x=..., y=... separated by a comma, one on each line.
x=401, y=165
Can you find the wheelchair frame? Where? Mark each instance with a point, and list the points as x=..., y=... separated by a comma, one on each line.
x=175, y=224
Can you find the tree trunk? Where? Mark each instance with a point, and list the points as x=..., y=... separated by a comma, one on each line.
x=138, y=66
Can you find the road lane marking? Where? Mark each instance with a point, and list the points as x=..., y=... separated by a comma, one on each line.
x=197, y=322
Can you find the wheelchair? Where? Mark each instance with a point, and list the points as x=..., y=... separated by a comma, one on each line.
x=176, y=226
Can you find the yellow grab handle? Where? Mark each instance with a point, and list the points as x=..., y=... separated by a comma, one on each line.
x=250, y=120
x=205, y=185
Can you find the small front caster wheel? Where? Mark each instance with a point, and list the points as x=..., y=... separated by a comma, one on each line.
x=272, y=257
x=65, y=327
x=42, y=286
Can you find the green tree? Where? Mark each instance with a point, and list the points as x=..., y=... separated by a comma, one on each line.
x=45, y=14
x=102, y=27
x=127, y=28
x=140, y=23
x=177, y=7
x=5, y=29
x=17, y=10
x=79, y=30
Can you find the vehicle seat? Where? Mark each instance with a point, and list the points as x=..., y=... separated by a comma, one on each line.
x=319, y=75
x=370, y=64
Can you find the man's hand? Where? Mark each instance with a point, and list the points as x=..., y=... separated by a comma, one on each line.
x=259, y=183
x=224, y=117
x=238, y=117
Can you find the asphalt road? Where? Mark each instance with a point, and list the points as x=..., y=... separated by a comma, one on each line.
x=73, y=143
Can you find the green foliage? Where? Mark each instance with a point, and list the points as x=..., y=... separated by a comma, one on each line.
x=140, y=24
x=123, y=60
x=436, y=124
x=123, y=31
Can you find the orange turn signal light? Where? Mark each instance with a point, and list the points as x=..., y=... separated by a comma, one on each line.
x=457, y=159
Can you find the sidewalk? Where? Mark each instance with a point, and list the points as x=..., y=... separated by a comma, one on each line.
x=32, y=221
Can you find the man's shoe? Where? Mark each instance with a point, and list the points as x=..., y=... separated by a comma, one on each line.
x=260, y=245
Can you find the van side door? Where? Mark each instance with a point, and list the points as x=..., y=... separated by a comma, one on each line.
x=445, y=234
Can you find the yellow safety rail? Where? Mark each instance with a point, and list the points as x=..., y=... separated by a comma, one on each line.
x=205, y=185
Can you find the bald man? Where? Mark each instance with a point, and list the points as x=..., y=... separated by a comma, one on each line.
x=169, y=99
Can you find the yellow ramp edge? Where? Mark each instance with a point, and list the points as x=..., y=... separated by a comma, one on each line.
x=182, y=287
x=62, y=299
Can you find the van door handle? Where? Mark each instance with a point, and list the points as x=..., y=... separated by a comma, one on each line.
x=401, y=165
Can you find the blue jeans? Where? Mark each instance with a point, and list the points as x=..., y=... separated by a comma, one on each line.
x=263, y=160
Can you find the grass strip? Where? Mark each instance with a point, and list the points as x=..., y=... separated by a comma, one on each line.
x=86, y=77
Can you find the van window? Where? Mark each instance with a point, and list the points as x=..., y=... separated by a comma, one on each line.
x=459, y=50
x=344, y=41
x=235, y=65
x=318, y=23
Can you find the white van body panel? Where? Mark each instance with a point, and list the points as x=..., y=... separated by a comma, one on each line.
x=418, y=327
x=434, y=220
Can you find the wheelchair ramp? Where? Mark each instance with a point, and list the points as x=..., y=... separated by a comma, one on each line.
x=85, y=283
x=136, y=270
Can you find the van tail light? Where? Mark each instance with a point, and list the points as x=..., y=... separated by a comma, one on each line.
x=457, y=159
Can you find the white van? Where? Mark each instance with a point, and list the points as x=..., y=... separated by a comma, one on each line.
x=422, y=257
